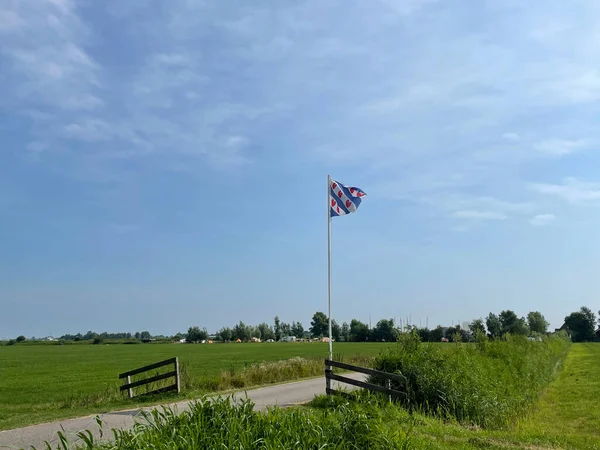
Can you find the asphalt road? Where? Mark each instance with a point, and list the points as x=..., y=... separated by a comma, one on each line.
x=281, y=395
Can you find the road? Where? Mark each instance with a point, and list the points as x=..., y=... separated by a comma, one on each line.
x=281, y=395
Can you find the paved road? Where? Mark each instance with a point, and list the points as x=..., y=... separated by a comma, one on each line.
x=279, y=395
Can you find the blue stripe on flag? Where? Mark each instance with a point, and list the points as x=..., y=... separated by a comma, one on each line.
x=339, y=202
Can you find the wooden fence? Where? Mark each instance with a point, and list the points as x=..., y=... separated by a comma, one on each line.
x=163, y=376
x=388, y=377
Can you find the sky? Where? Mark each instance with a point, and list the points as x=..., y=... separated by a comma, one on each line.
x=164, y=164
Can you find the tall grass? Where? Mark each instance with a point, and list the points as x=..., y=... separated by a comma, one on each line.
x=222, y=424
x=490, y=383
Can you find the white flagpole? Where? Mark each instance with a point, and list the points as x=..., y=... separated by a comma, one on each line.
x=329, y=264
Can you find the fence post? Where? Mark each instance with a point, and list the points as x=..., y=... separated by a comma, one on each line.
x=129, y=391
x=388, y=384
x=177, y=376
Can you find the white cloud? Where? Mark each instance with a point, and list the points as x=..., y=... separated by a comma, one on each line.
x=572, y=190
x=511, y=136
x=559, y=147
x=425, y=116
x=46, y=64
x=542, y=219
x=236, y=141
x=478, y=215
x=9, y=20
x=89, y=130
x=36, y=146
x=406, y=7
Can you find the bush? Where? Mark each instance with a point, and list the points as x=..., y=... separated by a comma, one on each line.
x=97, y=340
x=11, y=342
x=21, y=339
x=488, y=384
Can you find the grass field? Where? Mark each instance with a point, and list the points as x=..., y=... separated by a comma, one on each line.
x=42, y=383
x=566, y=417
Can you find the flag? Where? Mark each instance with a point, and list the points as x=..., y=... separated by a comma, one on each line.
x=343, y=199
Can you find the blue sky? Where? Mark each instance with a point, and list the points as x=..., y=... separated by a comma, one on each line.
x=163, y=164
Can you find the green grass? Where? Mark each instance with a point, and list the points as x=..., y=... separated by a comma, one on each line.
x=569, y=412
x=47, y=382
x=489, y=384
x=566, y=417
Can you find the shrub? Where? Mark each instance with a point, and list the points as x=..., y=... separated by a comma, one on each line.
x=97, y=340
x=21, y=338
x=489, y=383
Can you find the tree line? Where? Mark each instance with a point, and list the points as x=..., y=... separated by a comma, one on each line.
x=581, y=325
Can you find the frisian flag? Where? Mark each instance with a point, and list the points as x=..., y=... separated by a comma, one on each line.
x=343, y=199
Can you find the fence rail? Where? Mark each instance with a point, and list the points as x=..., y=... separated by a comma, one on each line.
x=172, y=374
x=388, y=377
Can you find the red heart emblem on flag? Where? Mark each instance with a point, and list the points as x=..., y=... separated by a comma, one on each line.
x=332, y=202
x=348, y=203
x=333, y=186
x=340, y=194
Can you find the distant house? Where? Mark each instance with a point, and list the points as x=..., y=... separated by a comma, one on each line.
x=288, y=339
x=254, y=339
x=564, y=328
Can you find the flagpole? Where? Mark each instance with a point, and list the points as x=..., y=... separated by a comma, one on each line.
x=329, y=265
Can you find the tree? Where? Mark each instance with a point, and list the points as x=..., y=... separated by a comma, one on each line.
x=336, y=331
x=195, y=334
x=345, y=332
x=20, y=338
x=477, y=327
x=225, y=334
x=537, y=322
x=437, y=334
x=319, y=325
x=286, y=329
x=385, y=331
x=277, y=328
x=137, y=335
x=581, y=324
x=508, y=319
x=513, y=324
x=359, y=332
x=456, y=332
x=424, y=334
x=255, y=332
x=297, y=329
x=266, y=332
x=242, y=332
x=145, y=335
x=494, y=326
